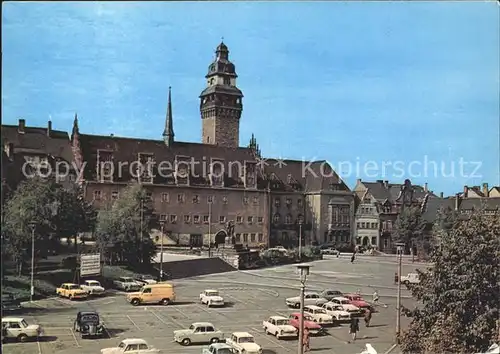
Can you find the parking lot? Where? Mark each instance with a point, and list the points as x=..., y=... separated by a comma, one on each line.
x=251, y=297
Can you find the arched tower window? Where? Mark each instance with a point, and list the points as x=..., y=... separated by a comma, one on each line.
x=276, y=218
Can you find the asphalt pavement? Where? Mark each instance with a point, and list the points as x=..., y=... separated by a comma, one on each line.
x=251, y=296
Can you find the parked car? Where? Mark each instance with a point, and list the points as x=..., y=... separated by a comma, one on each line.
x=337, y=311
x=88, y=324
x=159, y=293
x=127, y=284
x=313, y=327
x=198, y=332
x=9, y=302
x=93, y=287
x=18, y=329
x=71, y=291
x=358, y=301
x=411, y=278
x=347, y=306
x=211, y=298
x=318, y=314
x=219, y=348
x=310, y=298
x=145, y=279
x=330, y=252
x=329, y=294
x=279, y=327
x=135, y=346
x=244, y=343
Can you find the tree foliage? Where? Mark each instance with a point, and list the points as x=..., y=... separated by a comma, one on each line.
x=460, y=293
x=410, y=229
x=52, y=210
x=119, y=227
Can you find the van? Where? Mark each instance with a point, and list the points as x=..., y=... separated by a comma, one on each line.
x=160, y=293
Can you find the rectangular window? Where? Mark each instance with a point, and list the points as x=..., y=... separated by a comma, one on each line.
x=196, y=199
x=165, y=198
x=252, y=237
x=163, y=217
x=250, y=219
x=196, y=219
x=180, y=198
x=261, y=237
x=173, y=219
x=363, y=225
x=187, y=219
x=358, y=225
x=114, y=195
x=299, y=202
x=225, y=199
x=260, y=219
x=374, y=241
x=210, y=199
x=255, y=200
x=245, y=237
x=97, y=195
x=205, y=219
x=238, y=237
x=149, y=196
x=288, y=201
x=222, y=219
x=245, y=200
x=277, y=202
x=239, y=219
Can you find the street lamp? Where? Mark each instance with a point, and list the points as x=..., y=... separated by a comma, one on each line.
x=209, y=228
x=32, y=226
x=400, y=247
x=300, y=238
x=162, y=224
x=141, y=246
x=303, y=270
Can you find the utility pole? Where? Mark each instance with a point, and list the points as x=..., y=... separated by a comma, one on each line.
x=400, y=248
x=303, y=270
x=209, y=229
x=162, y=223
x=32, y=283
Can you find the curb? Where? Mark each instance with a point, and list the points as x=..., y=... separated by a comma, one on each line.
x=391, y=349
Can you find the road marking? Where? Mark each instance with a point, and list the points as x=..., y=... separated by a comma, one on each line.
x=107, y=303
x=74, y=337
x=39, y=346
x=182, y=313
x=247, y=302
x=136, y=326
x=175, y=322
x=269, y=339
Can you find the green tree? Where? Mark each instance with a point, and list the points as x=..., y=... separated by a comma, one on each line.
x=119, y=227
x=37, y=203
x=459, y=293
x=410, y=229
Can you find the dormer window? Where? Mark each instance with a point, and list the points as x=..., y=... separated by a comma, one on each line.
x=105, y=168
x=145, y=168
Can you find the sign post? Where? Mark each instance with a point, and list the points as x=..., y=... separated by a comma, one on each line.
x=90, y=264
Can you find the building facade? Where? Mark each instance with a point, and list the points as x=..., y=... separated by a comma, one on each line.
x=196, y=188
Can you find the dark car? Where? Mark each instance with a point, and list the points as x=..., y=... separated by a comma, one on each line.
x=9, y=302
x=88, y=324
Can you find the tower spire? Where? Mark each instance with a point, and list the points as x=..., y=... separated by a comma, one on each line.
x=168, y=133
x=76, y=130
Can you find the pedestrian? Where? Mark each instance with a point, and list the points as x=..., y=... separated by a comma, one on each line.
x=396, y=278
x=354, y=328
x=368, y=317
x=353, y=257
x=306, y=340
x=375, y=297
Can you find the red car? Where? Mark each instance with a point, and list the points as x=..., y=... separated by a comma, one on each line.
x=358, y=301
x=312, y=326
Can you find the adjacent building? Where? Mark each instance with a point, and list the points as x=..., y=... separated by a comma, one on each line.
x=196, y=188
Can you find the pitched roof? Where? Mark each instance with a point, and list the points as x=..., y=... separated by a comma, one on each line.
x=434, y=205
x=391, y=193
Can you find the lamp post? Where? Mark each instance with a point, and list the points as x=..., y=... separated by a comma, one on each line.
x=141, y=249
x=209, y=228
x=162, y=224
x=300, y=239
x=400, y=248
x=32, y=226
x=303, y=270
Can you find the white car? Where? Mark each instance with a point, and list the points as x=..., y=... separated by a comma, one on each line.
x=93, y=287
x=133, y=345
x=280, y=327
x=318, y=314
x=17, y=328
x=127, y=284
x=337, y=311
x=211, y=298
x=244, y=343
x=347, y=306
x=145, y=279
x=411, y=278
x=310, y=298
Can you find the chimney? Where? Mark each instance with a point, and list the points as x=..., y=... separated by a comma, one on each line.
x=485, y=190
x=457, y=201
x=9, y=150
x=466, y=191
x=49, y=128
x=358, y=180
x=386, y=184
x=426, y=189
x=22, y=126
x=441, y=195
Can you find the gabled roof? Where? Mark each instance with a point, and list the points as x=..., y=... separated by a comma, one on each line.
x=391, y=193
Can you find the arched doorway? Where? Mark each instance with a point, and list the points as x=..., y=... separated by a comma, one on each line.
x=220, y=237
x=366, y=241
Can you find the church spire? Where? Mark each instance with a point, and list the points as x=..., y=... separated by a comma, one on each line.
x=168, y=133
x=76, y=130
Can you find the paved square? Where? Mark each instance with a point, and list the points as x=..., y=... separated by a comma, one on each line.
x=251, y=296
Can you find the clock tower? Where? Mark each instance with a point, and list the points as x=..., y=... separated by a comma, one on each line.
x=221, y=102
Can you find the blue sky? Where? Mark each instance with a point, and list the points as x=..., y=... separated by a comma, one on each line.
x=361, y=83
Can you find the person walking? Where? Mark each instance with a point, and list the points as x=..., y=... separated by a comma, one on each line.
x=354, y=328
x=353, y=257
x=368, y=317
x=306, y=341
x=375, y=297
